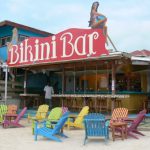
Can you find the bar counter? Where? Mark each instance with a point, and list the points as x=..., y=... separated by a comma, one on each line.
x=129, y=99
x=92, y=95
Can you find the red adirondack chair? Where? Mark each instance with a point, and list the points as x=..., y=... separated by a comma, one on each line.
x=15, y=123
x=132, y=128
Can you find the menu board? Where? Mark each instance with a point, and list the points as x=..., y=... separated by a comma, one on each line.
x=103, y=82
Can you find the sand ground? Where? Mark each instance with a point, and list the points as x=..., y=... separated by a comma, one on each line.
x=22, y=139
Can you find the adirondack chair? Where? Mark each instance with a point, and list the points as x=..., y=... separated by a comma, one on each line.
x=12, y=109
x=15, y=123
x=41, y=113
x=95, y=126
x=53, y=118
x=50, y=133
x=119, y=114
x=3, y=111
x=132, y=128
x=78, y=119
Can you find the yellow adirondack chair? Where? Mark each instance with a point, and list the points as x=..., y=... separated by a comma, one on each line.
x=78, y=122
x=3, y=111
x=41, y=113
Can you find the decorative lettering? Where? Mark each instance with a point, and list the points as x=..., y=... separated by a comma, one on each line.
x=72, y=44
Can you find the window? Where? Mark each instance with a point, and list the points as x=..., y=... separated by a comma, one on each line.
x=4, y=40
x=22, y=37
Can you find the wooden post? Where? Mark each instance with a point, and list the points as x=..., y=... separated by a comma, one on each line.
x=113, y=85
x=96, y=99
x=128, y=81
x=84, y=88
x=96, y=85
x=74, y=76
x=63, y=76
x=25, y=82
x=108, y=86
x=84, y=83
x=6, y=82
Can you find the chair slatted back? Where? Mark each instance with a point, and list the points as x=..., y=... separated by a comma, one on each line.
x=81, y=115
x=119, y=114
x=95, y=125
x=12, y=109
x=54, y=115
x=137, y=120
x=42, y=111
x=3, y=110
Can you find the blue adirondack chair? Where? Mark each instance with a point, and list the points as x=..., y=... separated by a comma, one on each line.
x=50, y=133
x=95, y=125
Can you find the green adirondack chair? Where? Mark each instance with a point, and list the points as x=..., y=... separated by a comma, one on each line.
x=54, y=116
x=52, y=119
x=3, y=111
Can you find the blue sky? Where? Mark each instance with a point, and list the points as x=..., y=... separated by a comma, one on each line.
x=128, y=20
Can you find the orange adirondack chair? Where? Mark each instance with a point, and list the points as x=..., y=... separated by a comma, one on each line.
x=12, y=109
x=119, y=114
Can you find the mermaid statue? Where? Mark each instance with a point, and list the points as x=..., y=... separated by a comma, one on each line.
x=97, y=20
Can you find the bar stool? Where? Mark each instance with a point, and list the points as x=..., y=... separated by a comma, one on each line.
x=79, y=104
x=146, y=105
x=36, y=102
x=64, y=102
x=118, y=103
x=74, y=104
x=97, y=105
x=104, y=105
x=91, y=104
x=69, y=102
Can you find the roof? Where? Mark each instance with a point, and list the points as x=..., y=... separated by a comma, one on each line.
x=140, y=57
x=17, y=25
x=111, y=56
x=143, y=53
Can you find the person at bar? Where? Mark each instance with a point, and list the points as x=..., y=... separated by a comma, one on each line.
x=48, y=94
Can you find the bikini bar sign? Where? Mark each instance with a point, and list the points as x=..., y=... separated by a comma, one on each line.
x=69, y=45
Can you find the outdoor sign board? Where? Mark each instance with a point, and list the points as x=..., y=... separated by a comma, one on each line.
x=69, y=45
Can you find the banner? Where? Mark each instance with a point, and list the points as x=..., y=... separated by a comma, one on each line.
x=69, y=45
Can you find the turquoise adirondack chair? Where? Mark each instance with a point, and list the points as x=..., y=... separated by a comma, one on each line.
x=3, y=111
x=51, y=133
x=95, y=126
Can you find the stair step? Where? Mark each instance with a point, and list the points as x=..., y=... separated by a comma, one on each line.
x=2, y=82
x=2, y=88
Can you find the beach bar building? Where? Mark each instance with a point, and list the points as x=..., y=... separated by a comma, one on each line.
x=81, y=70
